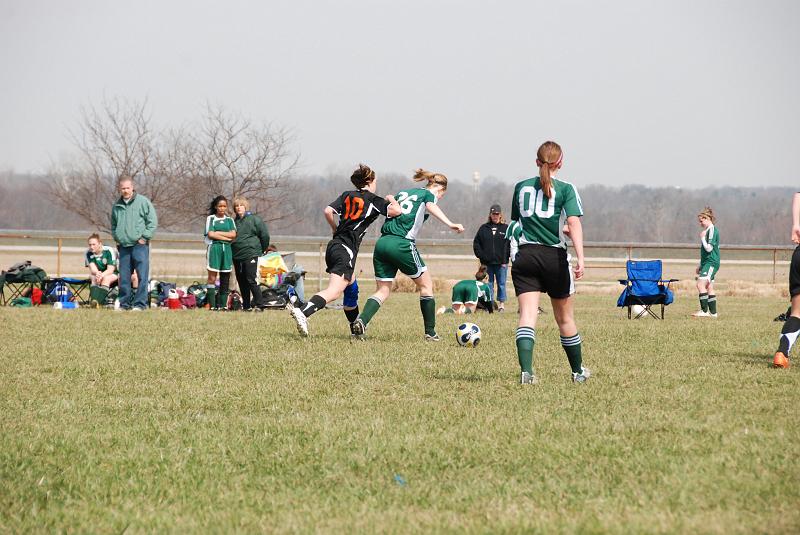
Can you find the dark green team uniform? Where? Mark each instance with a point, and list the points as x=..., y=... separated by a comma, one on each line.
x=542, y=265
x=219, y=255
x=396, y=248
x=107, y=257
x=709, y=254
x=471, y=291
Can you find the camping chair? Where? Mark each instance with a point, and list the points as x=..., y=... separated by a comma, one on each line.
x=20, y=279
x=645, y=287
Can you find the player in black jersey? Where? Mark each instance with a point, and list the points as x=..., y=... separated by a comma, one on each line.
x=356, y=210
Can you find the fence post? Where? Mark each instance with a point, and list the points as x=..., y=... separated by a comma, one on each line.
x=58, y=260
x=630, y=252
x=774, y=264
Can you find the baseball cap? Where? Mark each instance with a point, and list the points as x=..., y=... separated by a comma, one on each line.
x=495, y=209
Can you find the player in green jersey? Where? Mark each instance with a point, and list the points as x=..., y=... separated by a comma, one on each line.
x=709, y=264
x=791, y=327
x=102, y=263
x=470, y=295
x=396, y=249
x=220, y=231
x=539, y=207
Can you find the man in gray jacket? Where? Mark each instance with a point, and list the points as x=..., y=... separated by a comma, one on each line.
x=133, y=223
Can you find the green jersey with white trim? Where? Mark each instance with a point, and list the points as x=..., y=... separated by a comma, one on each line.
x=542, y=219
x=484, y=292
x=513, y=234
x=414, y=213
x=107, y=257
x=709, y=247
x=218, y=224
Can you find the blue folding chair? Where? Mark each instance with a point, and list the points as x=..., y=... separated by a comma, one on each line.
x=645, y=287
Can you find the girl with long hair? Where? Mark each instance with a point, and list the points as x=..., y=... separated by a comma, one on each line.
x=539, y=207
x=220, y=231
x=396, y=249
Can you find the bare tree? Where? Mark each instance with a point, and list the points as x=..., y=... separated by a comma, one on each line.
x=233, y=157
x=179, y=170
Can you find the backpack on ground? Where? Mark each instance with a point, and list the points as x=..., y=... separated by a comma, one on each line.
x=199, y=292
x=57, y=291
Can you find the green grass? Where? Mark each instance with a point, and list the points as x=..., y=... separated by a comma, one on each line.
x=195, y=421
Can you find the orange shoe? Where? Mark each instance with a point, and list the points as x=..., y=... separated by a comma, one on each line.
x=780, y=360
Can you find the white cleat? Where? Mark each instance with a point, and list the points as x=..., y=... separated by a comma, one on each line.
x=581, y=377
x=701, y=314
x=526, y=378
x=301, y=321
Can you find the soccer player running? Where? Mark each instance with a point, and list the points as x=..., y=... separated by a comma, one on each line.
x=219, y=233
x=356, y=210
x=539, y=206
x=791, y=327
x=709, y=264
x=396, y=249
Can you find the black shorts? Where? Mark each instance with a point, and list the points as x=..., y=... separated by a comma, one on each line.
x=340, y=259
x=794, y=273
x=539, y=268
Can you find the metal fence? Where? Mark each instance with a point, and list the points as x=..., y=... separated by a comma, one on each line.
x=311, y=251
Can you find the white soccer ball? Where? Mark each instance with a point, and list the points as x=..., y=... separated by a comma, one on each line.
x=468, y=335
x=636, y=310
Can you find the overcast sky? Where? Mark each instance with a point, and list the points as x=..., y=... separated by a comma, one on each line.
x=688, y=93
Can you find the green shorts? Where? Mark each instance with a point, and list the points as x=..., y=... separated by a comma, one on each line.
x=708, y=271
x=219, y=257
x=393, y=253
x=465, y=292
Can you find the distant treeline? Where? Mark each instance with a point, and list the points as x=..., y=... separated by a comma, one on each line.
x=757, y=216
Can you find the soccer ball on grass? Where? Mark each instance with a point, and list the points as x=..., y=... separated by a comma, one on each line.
x=468, y=335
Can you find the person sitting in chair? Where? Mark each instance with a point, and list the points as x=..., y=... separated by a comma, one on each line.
x=102, y=263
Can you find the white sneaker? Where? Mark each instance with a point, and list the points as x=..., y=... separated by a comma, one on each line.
x=301, y=321
x=701, y=314
x=710, y=315
x=526, y=378
x=583, y=376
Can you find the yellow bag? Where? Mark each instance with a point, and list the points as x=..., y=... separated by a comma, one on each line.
x=270, y=269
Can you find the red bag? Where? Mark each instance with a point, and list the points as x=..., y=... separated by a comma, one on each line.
x=36, y=296
x=188, y=300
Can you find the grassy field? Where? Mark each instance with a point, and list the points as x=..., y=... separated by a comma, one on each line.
x=187, y=421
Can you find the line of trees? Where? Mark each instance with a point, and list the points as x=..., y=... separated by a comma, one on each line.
x=182, y=168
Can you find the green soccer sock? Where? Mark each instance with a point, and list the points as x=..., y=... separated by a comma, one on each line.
x=704, y=302
x=427, y=304
x=93, y=293
x=712, y=304
x=371, y=308
x=526, y=338
x=102, y=294
x=211, y=295
x=572, y=347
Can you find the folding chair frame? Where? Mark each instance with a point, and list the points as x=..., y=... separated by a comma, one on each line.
x=632, y=299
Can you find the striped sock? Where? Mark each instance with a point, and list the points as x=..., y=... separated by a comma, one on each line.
x=526, y=338
x=704, y=302
x=572, y=347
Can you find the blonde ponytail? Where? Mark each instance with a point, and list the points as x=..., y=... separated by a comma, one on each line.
x=548, y=158
x=431, y=178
